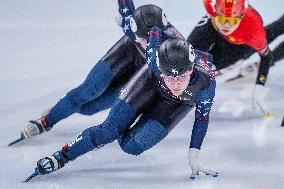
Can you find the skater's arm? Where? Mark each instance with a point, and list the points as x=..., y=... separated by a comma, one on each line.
x=265, y=62
x=126, y=8
x=153, y=43
x=204, y=103
x=260, y=91
x=258, y=41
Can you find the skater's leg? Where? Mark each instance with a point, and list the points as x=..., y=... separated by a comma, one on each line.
x=105, y=101
x=120, y=118
x=118, y=60
x=137, y=94
x=95, y=84
x=143, y=136
x=274, y=29
x=153, y=126
x=226, y=54
x=278, y=53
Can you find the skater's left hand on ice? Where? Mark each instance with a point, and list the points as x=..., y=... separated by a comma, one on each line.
x=259, y=94
x=195, y=166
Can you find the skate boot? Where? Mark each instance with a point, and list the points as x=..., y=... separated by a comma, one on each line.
x=52, y=163
x=35, y=128
x=49, y=164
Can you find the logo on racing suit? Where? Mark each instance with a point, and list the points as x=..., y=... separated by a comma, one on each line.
x=174, y=71
x=77, y=139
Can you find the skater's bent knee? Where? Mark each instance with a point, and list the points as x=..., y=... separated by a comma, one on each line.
x=133, y=147
x=103, y=134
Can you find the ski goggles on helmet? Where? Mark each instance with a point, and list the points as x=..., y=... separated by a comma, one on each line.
x=231, y=20
x=179, y=78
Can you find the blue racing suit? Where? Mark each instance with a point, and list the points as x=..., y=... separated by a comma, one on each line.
x=147, y=99
x=103, y=83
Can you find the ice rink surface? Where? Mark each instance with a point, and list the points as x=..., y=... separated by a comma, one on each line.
x=47, y=47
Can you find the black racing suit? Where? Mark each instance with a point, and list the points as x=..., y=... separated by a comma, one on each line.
x=205, y=38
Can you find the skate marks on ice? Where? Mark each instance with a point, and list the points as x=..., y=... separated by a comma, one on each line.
x=239, y=105
x=237, y=101
x=259, y=130
x=234, y=107
x=236, y=98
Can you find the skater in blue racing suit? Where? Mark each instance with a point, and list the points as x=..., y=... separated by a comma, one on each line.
x=176, y=79
x=102, y=85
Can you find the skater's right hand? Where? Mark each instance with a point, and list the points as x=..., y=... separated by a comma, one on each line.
x=195, y=166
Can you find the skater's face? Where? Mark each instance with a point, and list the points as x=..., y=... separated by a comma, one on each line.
x=227, y=25
x=178, y=83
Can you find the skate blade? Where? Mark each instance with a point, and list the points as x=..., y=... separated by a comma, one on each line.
x=36, y=173
x=16, y=141
x=268, y=115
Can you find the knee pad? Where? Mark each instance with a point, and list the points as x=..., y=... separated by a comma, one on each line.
x=142, y=137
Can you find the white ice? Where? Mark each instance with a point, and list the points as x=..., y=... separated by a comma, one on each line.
x=47, y=47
